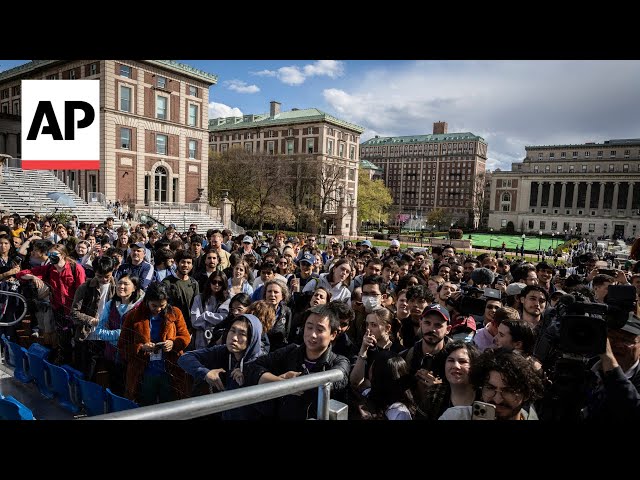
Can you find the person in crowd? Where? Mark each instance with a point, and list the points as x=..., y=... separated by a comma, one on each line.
x=238, y=304
x=238, y=283
x=63, y=276
x=315, y=355
x=89, y=302
x=277, y=295
x=164, y=264
x=209, y=308
x=506, y=380
x=336, y=281
x=195, y=244
x=215, y=241
x=137, y=266
x=222, y=367
x=453, y=367
x=390, y=396
x=128, y=295
x=418, y=297
x=151, y=339
x=183, y=288
x=534, y=300
x=434, y=283
x=343, y=344
x=544, y=273
x=517, y=335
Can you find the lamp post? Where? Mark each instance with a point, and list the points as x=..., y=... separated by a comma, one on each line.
x=553, y=234
x=490, y=237
x=539, y=242
x=522, y=250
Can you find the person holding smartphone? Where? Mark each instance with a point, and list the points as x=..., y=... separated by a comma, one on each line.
x=506, y=380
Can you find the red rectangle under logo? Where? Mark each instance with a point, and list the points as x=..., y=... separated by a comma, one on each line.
x=61, y=164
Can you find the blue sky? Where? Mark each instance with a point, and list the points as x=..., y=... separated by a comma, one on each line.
x=509, y=103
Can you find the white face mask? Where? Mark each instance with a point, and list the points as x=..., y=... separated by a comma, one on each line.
x=466, y=337
x=370, y=303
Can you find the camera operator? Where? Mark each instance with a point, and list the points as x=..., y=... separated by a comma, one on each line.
x=600, y=285
x=616, y=395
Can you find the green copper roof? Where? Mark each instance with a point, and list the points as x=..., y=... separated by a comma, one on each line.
x=367, y=165
x=440, y=137
x=283, y=118
x=166, y=64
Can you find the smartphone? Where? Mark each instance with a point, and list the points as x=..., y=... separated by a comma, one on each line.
x=483, y=411
x=159, y=345
x=607, y=271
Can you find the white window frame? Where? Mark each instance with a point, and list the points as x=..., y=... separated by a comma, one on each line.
x=125, y=71
x=166, y=107
x=193, y=152
x=309, y=146
x=193, y=91
x=121, y=98
x=122, y=143
x=271, y=147
x=192, y=119
x=329, y=146
x=161, y=82
x=158, y=144
x=290, y=150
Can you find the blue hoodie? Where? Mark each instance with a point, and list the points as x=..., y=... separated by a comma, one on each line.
x=198, y=363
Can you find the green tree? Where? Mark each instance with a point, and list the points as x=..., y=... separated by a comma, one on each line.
x=439, y=217
x=374, y=199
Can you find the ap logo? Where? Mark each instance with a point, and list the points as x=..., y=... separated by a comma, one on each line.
x=61, y=124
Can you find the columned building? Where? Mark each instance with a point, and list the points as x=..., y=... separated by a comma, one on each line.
x=589, y=189
x=307, y=134
x=425, y=172
x=154, y=118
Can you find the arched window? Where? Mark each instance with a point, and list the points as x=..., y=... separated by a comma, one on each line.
x=160, y=185
x=505, y=202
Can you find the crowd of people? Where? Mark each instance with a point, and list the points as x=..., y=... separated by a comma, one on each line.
x=416, y=334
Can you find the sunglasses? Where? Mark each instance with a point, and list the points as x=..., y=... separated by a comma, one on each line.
x=218, y=282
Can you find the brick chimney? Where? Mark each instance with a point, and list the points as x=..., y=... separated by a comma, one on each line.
x=275, y=109
x=439, y=128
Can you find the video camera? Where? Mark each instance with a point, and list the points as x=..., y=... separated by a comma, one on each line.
x=473, y=300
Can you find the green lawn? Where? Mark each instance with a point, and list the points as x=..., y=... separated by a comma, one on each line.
x=512, y=241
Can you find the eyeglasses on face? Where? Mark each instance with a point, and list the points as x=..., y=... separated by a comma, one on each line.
x=220, y=283
x=509, y=394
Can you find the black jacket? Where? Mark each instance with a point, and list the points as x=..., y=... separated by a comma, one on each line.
x=617, y=398
x=291, y=358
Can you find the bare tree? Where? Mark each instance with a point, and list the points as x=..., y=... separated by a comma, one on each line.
x=479, y=211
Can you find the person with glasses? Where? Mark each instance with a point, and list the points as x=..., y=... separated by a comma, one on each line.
x=47, y=232
x=209, y=308
x=505, y=379
x=284, y=268
x=616, y=396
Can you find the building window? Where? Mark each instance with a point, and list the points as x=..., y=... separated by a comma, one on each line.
x=574, y=154
x=193, y=91
x=547, y=169
x=554, y=226
x=599, y=153
x=5, y=108
x=571, y=169
x=192, y=148
x=596, y=169
x=93, y=69
x=627, y=153
x=161, y=82
x=271, y=147
x=161, y=144
x=53, y=76
x=543, y=225
x=224, y=147
x=625, y=167
x=341, y=150
x=552, y=155
x=125, y=138
x=16, y=107
x=592, y=227
x=565, y=226
x=540, y=155
x=559, y=169
x=16, y=91
x=612, y=167
x=310, y=131
x=584, y=169
x=587, y=154
x=271, y=134
x=612, y=153
x=290, y=132
x=352, y=152
x=289, y=147
x=530, y=224
x=125, y=99
x=578, y=227
x=329, y=147
x=193, y=115
x=503, y=223
x=72, y=74
x=536, y=169
x=125, y=71
x=309, y=145
x=563, y=155
x=247, y=136
x=161, y=107
x=175, y=190
x=505, y=202
x=248, y=147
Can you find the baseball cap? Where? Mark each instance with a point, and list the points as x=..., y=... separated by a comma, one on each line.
x=436, y=307
x=462, y=324
x=366, y=243
x=307, y=257
x=247, y=239
x=138, y=245
x=395, y=243
x=632, y=325
x=515, y=288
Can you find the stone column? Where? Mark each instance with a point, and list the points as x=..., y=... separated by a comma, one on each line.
x=563, y=196
x=539, y=200
x=629, y=209
x=603, y=185
x=225, y=211
x=574, y=204
x=614, y=205
x=588, y=200
x=552, y=186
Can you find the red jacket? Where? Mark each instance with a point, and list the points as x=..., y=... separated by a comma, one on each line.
x=62, y=284
x=136, y=331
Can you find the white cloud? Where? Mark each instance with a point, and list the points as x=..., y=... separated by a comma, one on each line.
x=295, y=75
x=510, y=104
x=217, y=110
x=240, y=86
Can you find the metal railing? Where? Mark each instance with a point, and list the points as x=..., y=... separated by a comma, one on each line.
x=207, y=404
x=24, y=308
x=235, y=228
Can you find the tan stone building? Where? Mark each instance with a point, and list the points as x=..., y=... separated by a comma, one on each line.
x=310, y=134
x=590, y=189
x=425, y=172
x=154, y=116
